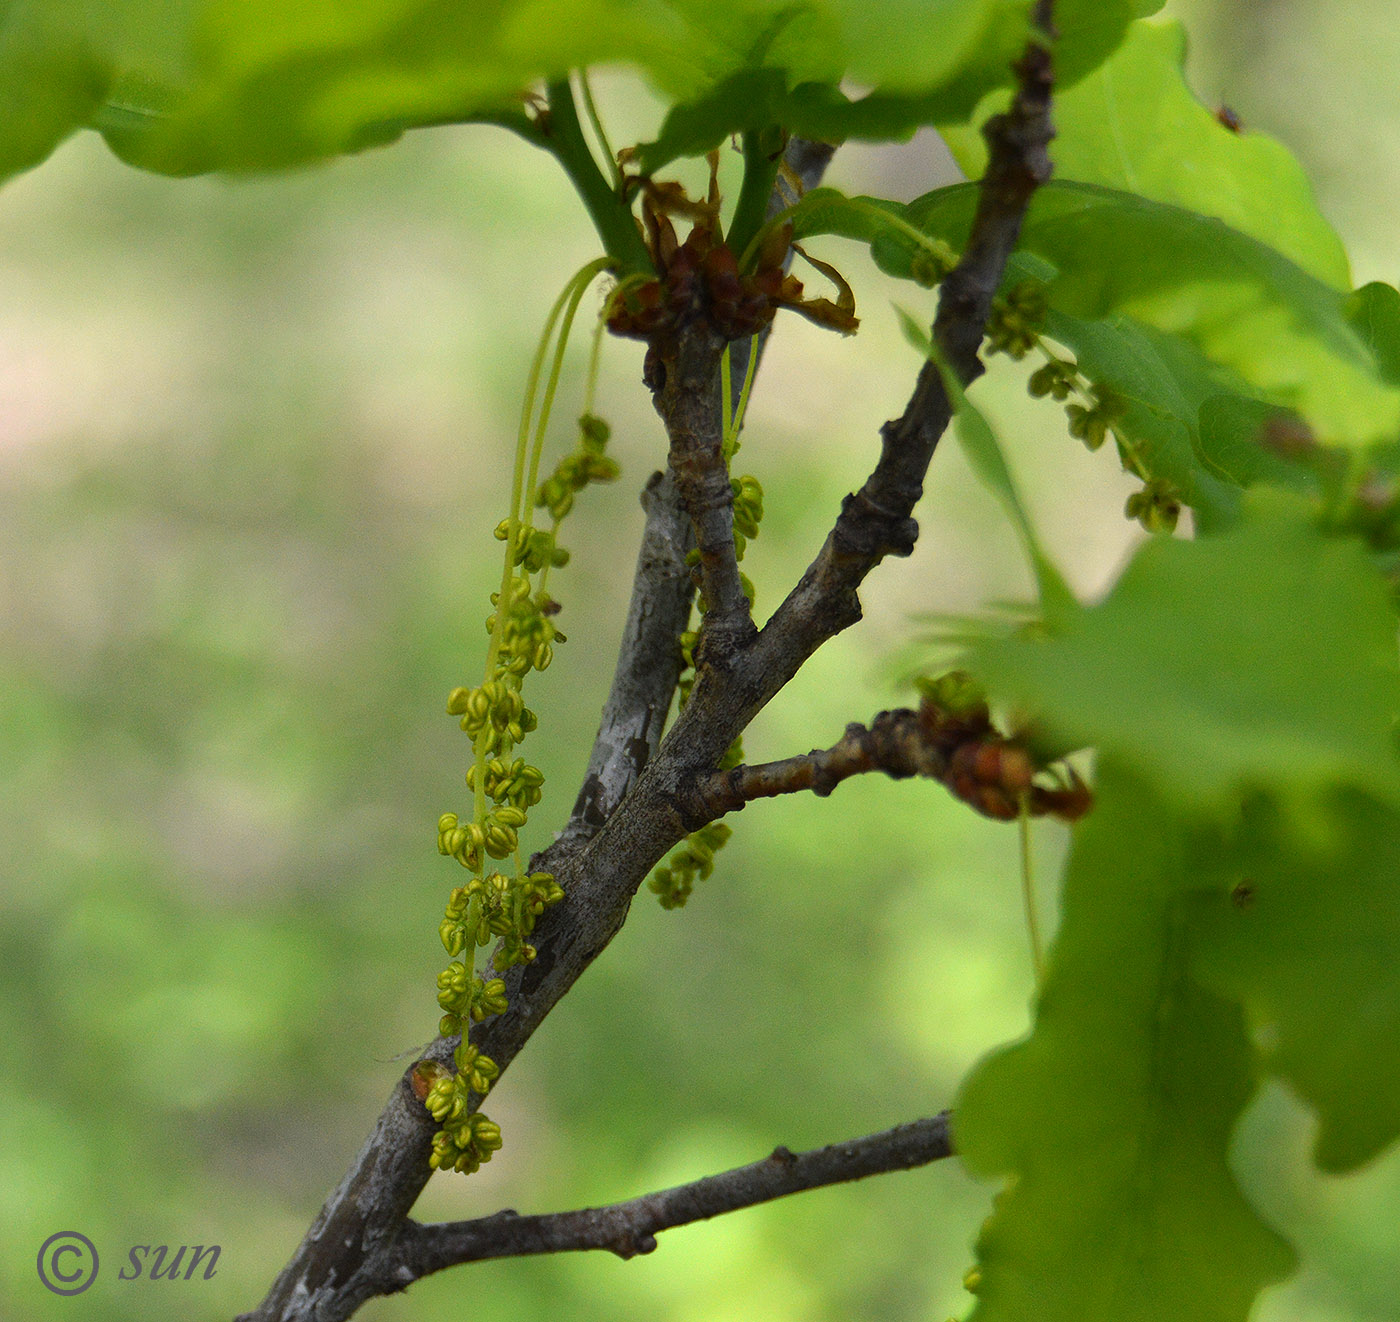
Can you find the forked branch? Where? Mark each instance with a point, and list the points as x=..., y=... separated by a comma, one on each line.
x=362, y=1234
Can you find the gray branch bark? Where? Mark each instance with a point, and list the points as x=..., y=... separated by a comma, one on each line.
x=649, y=662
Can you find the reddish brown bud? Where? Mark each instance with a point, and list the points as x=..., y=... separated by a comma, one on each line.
x=1016, y=769
x=996, y=803
x=986, y=763
x=1069, y=804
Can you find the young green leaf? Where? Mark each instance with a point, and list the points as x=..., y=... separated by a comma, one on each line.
x=277, y=85
x=761, y=94
x=1264, y=658
x=898, y=246
x=1311, y=945
x=1374, y=312
x=257, y=84
x=926, y=63
x=50, y=83
x=1113, y=1119
x=1135, y=125
x=1241, y=304
x=60, y=59
x=1248, y=441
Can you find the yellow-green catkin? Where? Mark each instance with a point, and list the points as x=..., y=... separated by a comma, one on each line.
x=1094, y=412
x=502, y=900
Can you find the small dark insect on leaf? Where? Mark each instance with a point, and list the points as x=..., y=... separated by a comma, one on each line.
x=1243, y=894
x=1228, y=118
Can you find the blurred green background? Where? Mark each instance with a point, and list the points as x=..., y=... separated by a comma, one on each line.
x=254, y=437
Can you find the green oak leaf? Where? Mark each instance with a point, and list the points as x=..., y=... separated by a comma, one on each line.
x=1112, y=1120
x=275, y=84
x=906, y=96
x=1262, y=658
x=1244, y=306
x=1311, y=945
x=59, y=62
x=1135, y=125
x=1374, y=312
x=1248, y=441
x=50, y=83
x=871, y=220
x=1267, y=325
x=198, y=85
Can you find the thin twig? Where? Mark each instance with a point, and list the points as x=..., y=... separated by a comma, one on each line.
x=631, y=1227
x=965, y=752
x=898, y=743
x=1018, y=163
x=878, y=520
x=649, y=658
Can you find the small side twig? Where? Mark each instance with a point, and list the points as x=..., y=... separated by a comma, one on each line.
x=994, y=774
x=631, y=1227
x=649, y=659
x=687, y=401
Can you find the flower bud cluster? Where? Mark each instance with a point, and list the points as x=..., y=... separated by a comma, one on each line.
x=587, y=463
x=494, y=712
x=931, y=264
x=748, y=512
x=693, y=858
x=498, y=906
x=1157, y=506
x=467, y=997
x=1092, y=422
x=536, y=548
x=1096, y=414
x=1013, y=326
x=467, y=1139
x=526, y=636
x=516, y=783
x=998, y=775
x=495, y=836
